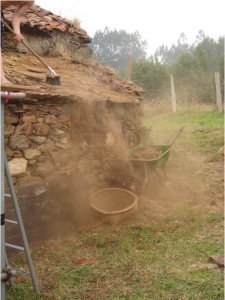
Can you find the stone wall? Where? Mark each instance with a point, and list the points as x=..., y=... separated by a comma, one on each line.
x=59, y=152
x=44, y=44
x=48, y=138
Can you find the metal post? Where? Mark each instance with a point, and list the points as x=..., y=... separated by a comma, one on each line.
x=20, y=224
x=2, y=197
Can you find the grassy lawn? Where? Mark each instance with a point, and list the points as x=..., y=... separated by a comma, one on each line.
x=161, y=252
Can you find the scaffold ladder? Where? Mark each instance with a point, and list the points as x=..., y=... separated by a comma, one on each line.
x=6, y=271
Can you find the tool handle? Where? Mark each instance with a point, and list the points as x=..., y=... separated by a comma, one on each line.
x=28, y=47
x=177, y=135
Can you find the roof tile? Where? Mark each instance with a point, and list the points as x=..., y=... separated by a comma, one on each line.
x=34, y=18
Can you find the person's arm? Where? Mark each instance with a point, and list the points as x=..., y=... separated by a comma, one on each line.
x=16, y=18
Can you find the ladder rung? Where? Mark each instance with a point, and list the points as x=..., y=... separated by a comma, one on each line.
x=14, y=246
x=7, y=195
x=11, y=221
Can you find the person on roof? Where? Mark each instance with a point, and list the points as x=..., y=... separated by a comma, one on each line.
x=16, y=19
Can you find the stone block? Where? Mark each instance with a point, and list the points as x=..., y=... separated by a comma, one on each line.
x=29, y=119
x=39, y=140
x=42, y=129
x=10, y=120
x=48, y=146
x=50, y=119
x=9, y=153
x=25, y=129
x=8, y=130
x=18, y=142
x=18, y=154
x=17, y=167
x=59, y=132
x=31, y=154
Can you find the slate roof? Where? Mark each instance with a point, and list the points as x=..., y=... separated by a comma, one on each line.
x=43, y=20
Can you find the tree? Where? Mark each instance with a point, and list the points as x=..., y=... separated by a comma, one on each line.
x=213, y=61
x=193, y=67
x=220, y=46
x=200, y=59
x=169, y=56
x=151, y=75
x=192, y=77
x=111, y=47
x=200, y=37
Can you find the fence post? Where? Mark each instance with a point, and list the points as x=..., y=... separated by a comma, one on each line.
x=173, y=94
x=218, y=92
x=128, y=65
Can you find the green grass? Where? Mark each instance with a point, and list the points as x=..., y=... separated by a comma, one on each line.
x=166, y=125
x=150, y=255
x=132, y=261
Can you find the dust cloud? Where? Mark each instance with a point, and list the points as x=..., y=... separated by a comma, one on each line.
x=99, y=151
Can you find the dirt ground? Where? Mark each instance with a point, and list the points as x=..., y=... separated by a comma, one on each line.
x=85, y=79
x=184, y=190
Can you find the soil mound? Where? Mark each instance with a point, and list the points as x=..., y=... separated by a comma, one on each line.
x=147, y=153
x=86, y=79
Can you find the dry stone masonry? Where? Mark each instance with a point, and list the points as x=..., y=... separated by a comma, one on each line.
x=46, y=138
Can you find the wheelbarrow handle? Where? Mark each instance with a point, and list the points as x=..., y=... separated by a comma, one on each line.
x=150, y=128
x=177, y=135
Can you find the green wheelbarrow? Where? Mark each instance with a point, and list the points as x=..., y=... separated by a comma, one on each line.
x=153, y=164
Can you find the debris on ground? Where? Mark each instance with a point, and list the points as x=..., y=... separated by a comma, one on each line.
x=217, y=259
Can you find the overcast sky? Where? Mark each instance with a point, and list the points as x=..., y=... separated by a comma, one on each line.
x=159, y=22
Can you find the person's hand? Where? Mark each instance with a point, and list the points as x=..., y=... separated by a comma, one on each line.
x=18, y=38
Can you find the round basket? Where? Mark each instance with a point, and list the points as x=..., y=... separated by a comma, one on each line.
x=113, y=205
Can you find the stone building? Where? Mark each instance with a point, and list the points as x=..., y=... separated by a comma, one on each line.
x=62, y=142
x=46, y=33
